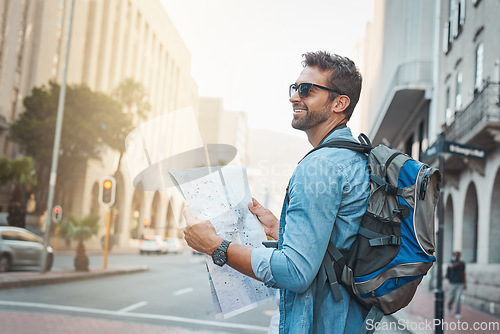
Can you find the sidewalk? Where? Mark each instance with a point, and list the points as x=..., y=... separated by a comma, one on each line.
x=418, y=317
x=18, y=279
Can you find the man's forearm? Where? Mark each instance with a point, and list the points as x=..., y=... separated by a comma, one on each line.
x=239, y=257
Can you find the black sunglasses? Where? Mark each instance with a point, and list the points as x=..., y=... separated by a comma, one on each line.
x=305, y=87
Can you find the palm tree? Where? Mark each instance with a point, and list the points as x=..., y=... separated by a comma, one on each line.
x=21, y=172
x=80, y=229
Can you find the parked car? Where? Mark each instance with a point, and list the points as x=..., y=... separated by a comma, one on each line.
x=174, y=245
x=3, y=219
x=22, y=248
x=153, y=244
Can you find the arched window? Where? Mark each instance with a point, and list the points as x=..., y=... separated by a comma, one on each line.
x=478, y=78
x=469, y=228
x=494, y=235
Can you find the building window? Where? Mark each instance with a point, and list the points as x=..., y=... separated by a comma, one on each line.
x=456, y=19
x=421, y=134
x=461, y=14
x=446, y=37
x=449, y=113
x=409, y=146
x=458, y=91
x=478, y=82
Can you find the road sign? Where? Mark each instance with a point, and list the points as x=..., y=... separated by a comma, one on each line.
x=465, y=150
x=432, y=151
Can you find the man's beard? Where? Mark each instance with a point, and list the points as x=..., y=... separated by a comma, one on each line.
x=310, y=120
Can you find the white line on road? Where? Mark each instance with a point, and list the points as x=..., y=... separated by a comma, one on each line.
x=182, y=292
x=132, y=307
x=134, y=315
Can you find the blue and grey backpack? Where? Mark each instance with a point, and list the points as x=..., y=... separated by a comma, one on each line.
x=395, y=243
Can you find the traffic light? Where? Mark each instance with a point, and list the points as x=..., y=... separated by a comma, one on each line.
x=56, y=213
x=107, y=191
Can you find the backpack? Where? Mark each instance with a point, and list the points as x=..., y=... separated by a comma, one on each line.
x=394, y=247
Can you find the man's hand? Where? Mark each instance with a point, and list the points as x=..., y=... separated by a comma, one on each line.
x=266, y=218
x=200, y=234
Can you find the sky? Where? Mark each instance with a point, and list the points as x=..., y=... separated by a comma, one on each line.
x=249, y=52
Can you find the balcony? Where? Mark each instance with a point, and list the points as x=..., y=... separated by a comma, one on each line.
x=406, y=91
x=482, y=113
x=476, y=125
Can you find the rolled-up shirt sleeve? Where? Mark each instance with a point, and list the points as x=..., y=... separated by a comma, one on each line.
x=261, y=265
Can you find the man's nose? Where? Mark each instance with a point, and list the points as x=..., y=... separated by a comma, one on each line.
x=295, y=98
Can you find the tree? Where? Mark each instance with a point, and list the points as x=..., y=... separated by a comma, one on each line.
x=20, y=172
x=134, y=99
x=80, y=230
x=91, y=120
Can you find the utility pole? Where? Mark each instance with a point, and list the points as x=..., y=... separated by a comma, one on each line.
x=57, y=140
x=439, y=293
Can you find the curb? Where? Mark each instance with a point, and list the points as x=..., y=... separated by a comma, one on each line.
x=25, y=279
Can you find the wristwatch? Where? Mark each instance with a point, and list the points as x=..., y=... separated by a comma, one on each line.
x=220, y=254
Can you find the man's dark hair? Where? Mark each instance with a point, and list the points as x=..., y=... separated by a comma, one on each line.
x=344, y=75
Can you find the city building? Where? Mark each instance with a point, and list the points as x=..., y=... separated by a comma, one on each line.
x=111, y=40
x=432, y=71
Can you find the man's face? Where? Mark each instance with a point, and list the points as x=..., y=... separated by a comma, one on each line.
x=315, y=109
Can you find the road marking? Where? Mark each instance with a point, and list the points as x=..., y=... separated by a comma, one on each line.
x=132, y=307
x=182, y=292
x=135, y=315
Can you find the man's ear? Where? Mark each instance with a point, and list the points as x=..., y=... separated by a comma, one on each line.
x=341, y=103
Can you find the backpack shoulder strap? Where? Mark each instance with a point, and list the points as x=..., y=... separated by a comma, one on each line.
x=364, y=145
x=375, y=315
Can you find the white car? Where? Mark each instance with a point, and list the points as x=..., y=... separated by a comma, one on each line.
x=174, y=245
x=153, y=244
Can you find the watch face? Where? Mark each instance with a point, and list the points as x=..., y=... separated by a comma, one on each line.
x=219, y=257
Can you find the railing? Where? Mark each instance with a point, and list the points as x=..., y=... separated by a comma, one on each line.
x=485, y=107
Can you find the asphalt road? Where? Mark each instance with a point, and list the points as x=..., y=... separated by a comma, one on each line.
x=173, y=296
x=174, y=292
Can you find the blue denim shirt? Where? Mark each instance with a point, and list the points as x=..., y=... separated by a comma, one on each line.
x=327, y=197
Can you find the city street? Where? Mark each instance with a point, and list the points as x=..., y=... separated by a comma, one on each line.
x=173, y=296
x=174, y=293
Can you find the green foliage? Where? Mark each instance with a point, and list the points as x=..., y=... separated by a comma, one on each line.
x=132, y=95
x=90, y=118
x=79, y=229
x=21, y=172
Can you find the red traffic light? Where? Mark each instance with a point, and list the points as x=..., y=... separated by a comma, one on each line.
x=56, y=213
x=107, y=184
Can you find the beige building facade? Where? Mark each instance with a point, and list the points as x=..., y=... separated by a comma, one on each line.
x=111, y=40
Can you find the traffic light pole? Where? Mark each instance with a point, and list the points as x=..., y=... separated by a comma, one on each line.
x=57, y=140
x=106, y=238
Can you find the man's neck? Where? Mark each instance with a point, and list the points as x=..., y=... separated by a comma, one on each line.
x=315, y=135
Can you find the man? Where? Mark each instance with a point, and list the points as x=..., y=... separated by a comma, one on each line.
x=326, y=198
x=456, y=276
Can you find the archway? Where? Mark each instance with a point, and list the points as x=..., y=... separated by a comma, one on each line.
x=171, y=224
x=448, y=229
x=469, y=229
x=154, y=224
x=494, y=235
x=135, y=214
x=94, y=200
